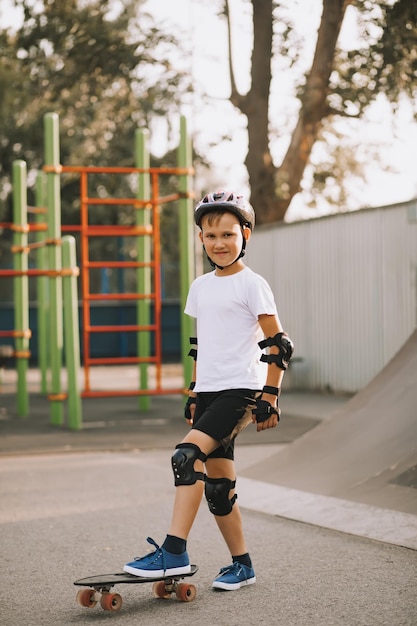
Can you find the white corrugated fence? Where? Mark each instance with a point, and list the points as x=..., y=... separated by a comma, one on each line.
x=346, y=290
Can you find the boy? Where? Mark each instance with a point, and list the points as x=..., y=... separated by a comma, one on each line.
x=233, y=385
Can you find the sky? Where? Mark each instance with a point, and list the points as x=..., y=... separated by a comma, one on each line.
x=208, y=64
x=204, y=35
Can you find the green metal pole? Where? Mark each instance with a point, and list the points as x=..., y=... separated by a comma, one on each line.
x=42, y=286
x=187, y=272
x=51, y=125
x=21, y=287
x=71, y=331
x=143, y=310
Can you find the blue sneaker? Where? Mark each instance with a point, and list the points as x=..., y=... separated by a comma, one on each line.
x=159, y=563
x=234, y=576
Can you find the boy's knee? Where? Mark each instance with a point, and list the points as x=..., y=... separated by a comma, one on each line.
x=182, y=461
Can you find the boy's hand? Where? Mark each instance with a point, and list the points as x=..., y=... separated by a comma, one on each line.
x=266, y=412
x=189, y=409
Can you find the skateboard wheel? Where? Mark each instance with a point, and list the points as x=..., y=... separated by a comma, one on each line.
x=111, y=601
x=185, y=592
x=159, y=590
x=85, y=597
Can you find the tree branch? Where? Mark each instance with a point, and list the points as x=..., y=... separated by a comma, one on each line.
x=235, y=95
x=314, y=101
x=340, y=113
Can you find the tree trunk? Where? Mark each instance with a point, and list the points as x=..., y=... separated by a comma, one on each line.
x=314, y=102
x=272, y=188
x=258, y=160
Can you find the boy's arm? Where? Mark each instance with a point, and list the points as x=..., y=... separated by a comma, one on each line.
x=270, y=326
x=190, y=404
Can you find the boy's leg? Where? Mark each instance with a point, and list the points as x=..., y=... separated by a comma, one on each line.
x=229, y=525
x=172, y=558
x=188, y=497
x=219, y=413
x=240, y=572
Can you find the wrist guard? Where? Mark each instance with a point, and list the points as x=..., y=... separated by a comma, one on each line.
x=263, y=410
x=187, y=412
x=274, y=391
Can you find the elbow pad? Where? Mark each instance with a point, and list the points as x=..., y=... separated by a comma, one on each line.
x=286, y=348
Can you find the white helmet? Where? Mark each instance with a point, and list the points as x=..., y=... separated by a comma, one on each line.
x=228, y=201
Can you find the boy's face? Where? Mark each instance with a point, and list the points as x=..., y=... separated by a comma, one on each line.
x=222, y=238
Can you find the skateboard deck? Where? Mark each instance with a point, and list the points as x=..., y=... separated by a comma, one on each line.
x=98, y=588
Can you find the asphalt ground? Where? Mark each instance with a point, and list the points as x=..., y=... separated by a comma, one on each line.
x=81, y=503
x=116, y=423
x=67, y=516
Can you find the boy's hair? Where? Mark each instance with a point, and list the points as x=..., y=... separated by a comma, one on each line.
x=214, y=215
x=226, y=201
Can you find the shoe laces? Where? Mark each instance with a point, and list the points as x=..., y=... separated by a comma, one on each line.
x=158, y=553
x=235, y=567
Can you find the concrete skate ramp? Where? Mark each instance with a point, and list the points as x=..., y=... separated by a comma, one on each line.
x=366, y=451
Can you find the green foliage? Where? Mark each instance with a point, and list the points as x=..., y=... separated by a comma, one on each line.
x=387, y=64
x=105, y=74
x=384, y=65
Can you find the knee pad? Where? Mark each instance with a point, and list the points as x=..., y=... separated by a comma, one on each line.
x=182, y=462
x=217, y=495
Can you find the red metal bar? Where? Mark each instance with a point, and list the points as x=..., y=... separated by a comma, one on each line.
x=179, y=171
x=120, y=328
x=119, y=296
x=117, y=231
x=110, y=393
x=134, y=201
x=122, y=360
x=112, y=201
x=30, y=272
x=71, y=228
x=122, y=264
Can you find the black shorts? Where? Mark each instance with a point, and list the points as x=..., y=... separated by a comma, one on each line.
x=222, y=415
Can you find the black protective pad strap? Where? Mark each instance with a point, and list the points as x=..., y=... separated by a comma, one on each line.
x=193, y=351
x=264, y=410
x=274, y=391
x=286, y=348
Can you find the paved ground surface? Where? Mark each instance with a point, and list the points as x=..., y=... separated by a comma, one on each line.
x=117, y=424
x=66, y=516
x=81, y=503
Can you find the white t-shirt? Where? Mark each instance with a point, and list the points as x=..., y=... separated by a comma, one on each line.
x=228, y=331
